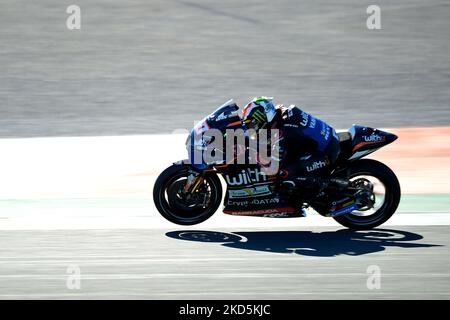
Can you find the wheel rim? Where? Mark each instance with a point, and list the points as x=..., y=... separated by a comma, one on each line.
x=180, y=206
x=378, y=190
x=382, y=199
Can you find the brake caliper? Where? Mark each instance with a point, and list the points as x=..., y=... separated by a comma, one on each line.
x=192, y=183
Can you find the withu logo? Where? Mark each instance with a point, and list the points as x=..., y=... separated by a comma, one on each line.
x=374, y=138
x=317, y=165
x=246, y=177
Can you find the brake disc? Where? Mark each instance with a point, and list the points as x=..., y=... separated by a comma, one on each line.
x=365, y=196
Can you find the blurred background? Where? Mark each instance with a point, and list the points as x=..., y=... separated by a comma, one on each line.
x=140, y=67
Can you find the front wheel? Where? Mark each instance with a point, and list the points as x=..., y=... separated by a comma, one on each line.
x=376, y=177
x=186, y=197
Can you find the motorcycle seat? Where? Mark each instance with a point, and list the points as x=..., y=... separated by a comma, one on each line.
x=344, y=136
x=346, y=145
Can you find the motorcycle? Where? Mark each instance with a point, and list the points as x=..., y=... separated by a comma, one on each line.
x=367, y=195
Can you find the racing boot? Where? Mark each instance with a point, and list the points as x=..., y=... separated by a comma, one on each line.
x=311, y=186
x=300, y=189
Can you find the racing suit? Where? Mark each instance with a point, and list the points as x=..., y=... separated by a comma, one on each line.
x=307, y=148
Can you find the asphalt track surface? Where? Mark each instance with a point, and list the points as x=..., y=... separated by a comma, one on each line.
x=240, y=263
x=129, y=251
x=141, y=67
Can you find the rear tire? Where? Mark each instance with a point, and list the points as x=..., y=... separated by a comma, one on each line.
x=383, y=173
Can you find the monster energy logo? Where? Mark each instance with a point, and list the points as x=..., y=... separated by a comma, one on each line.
x=259, y=116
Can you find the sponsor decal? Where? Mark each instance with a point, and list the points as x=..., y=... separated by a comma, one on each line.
x=317, y=165
x=261, y=212
x=336, y=205
x=242, y=203
x=249, y=192
x=265, y=201
x=305, y=118
x=325, y=132
x=246, y=177
x=245, y=203
x=222, y=116
x=368, y=140
x=374, y=138
x=259, y=116
x=290, y=113
x=278, y=215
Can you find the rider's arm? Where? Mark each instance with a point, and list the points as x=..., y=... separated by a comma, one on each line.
x=278, y=152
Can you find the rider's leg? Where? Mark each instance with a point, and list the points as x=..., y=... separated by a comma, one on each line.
x=306, y=173
x=311, y=171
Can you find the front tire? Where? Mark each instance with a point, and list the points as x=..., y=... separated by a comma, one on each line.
x=167, y=196
x=373, y=168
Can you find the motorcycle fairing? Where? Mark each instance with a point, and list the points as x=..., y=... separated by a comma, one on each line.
x=250, y=193
x=226, y=116
x=363, y=141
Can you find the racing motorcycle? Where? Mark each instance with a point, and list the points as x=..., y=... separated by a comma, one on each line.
x=367, y=195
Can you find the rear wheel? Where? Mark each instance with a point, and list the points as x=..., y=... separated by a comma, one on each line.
x=186, y=207
x=381, y=190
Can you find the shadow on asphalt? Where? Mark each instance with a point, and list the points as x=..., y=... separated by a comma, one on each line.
x=308, y=243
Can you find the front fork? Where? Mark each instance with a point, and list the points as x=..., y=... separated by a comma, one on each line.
x=192, y=183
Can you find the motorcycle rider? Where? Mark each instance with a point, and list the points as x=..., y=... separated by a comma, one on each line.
x=307, y=146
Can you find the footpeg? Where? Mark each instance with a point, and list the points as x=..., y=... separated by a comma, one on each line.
x=339, y=183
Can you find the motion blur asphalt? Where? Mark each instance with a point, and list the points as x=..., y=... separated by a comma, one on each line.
x=139, y=67
x=145, y=67
x=240, y=263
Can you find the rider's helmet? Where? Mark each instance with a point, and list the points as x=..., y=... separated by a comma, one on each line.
x=259, y=113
